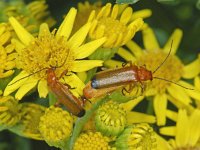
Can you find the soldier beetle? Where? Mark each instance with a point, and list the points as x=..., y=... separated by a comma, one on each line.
x=73, y=104
x=107, y=81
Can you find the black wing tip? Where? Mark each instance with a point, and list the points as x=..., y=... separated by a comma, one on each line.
x=81, y=113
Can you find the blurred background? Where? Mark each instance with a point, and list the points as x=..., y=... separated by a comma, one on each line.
x=166, y=16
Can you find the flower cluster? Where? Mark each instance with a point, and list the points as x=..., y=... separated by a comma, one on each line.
x=87, y=108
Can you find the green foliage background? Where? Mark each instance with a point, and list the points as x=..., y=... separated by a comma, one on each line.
x=167, y=16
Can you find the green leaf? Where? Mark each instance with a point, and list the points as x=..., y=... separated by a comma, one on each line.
x=82, y=121
x=52, y=99
x=126, y=1
x=103, y=53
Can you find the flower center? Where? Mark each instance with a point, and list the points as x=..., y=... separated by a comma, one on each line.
x=91, y=140
x=46, y=51
x=171, y=70
x=112, y=27
x=56, y=126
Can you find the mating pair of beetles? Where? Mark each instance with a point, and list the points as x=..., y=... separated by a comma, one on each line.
x=102, y=83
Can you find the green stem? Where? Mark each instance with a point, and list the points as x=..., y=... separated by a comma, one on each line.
x=82, y=121
x=150, y=107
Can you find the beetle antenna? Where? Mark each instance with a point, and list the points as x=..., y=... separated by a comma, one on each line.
x=165, y=58
x=38, y=71
x=27, y=76
x=173, y=83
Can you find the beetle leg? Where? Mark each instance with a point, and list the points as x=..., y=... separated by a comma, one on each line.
x=142, y=85
x=63, y=73
x=126, y=63
x=57, y=104
x=131, y=86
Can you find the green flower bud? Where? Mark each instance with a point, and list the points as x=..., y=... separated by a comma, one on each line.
x=110, y=119
x=137, y=137
x=9, y=111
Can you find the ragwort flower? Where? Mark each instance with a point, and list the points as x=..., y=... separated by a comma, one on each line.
x=92, y=140
x=112, y=117
x=9, y=112
x=56, y=126
x=29, y=15
x=7, y=53
x=186, y=133
x=118, y=29
x=173, y=69
x=28, y=126
x=84, y=10
x=51, y=49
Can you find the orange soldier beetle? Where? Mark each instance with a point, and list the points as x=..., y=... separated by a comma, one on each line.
x=63, y=94
x=107, y=81
x=73, y=104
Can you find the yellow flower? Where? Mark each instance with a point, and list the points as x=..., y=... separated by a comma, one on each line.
x=39, y=11
x=7, y=54
x=112, y=117
x=186, y=133
x=83, y=13
x=52, y=49
x=29, y=123
x=9, y=112
x=119, y=29
x=173, y=69
x=56, y=126
x=35, y=13
x=138, y=136
x=92, y=140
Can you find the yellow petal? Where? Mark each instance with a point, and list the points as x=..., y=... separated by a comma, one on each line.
x=82, y=76
x=114, y=12
x=182, y=126
x=149, y=40
x=176, y=38
x=77, y=39
x=126, y=15
x=74, y=81
x=18, y=45
x=195, y=94
x=169, y=131
x=87, y=49
x=16, y=83
x=67, y=25
x=160, y=106
x=172, y=115
x=92, y=16
x=197, y=83
x=134, y=48
x=85, y=65
x=162, y=143
x=26, y=87
x=179, y=93
x=144, y=13
x=128, y=106
x=191, y=70
x=126, y=54
x=137, y=117
x=194, y=130
x=113, y=63
x=23, y=35
x=44, y=30
x=43, y=88
x=180, y=104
